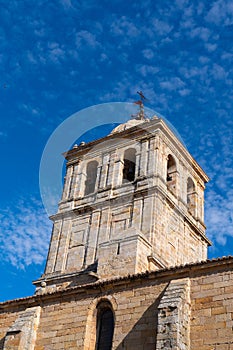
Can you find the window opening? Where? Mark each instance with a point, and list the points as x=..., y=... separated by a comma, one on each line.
x=105, y=327
x=191, y=193
x=171, y=174
x=129, y=165
x=91, y=175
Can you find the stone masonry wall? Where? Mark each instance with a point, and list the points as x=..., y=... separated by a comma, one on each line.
x=151, y=311
x=7, y=319
x=69, y=321
x=69, y=324
x=22, y=334
x=212, y=311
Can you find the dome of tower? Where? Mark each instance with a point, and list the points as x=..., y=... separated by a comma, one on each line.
x=129, y=124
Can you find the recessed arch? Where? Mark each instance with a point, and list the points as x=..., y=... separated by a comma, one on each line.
x=91, y=174
x=104, y=326
x=129, y=165
x=105, y=308
x=171, y=167
x=191, y=196
x=172, y=174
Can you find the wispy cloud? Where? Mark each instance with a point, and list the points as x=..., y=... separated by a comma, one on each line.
x=219, y=216
x=173, y=84
x=85, y=38
x=200, y=32
x=124, y=27
x=161, y=27
x=24, y=233
x=221, y=12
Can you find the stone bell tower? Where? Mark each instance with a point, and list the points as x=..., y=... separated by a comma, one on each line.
x=132, y=201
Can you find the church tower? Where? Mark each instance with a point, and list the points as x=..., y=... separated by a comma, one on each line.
x=132, y=201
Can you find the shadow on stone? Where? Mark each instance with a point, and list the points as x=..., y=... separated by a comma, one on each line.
x=2, y=343
x=143, y=335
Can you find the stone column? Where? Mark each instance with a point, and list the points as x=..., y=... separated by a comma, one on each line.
x=143, y=158
x=104, y=171
x=63, y=245
x=152, y=157
x=80, y=179
x=75, y=183
x=92, y=239
x=200, y=202
x=137, y=215
x=137, y=165
x=51, y=260
x=118, y=172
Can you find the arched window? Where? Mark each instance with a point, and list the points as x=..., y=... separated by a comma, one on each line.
x=104, y=326
x=129, y=165
x=171, y=174
x=191, y=196
x=171, y=168
x=91, y=174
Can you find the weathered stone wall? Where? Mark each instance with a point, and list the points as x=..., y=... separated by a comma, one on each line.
x=8, y=317
x=22, y=333
x=69, y=322
x=212, y=311
x=185, y=308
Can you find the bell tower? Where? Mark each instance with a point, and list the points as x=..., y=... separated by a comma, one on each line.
x=132, y=201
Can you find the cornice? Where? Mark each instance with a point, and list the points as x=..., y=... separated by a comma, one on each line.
x=188, y=270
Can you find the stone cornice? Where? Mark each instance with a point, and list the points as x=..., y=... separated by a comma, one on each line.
x=97, y=204
x=151, y=128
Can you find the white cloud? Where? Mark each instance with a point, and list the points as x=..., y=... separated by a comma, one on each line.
x=146, y=70
x=120, y=91
x=66, y=3
x=87, y=39
x=227, y=56
x=124, y=27
x=211, y=47
x=221, y=13
x=185, y=92
x=148, y=53
x=24, y=234
x=218, y=72
x=161, y=27
x=203, y=59
x=200, y=32
x=219, y=217
x=172, y=84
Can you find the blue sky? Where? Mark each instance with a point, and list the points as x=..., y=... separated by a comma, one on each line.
x=58, y=57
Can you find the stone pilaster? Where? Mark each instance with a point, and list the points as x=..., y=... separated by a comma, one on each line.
x=68, y=180
x=22, y=334
x=143, y=158
x=173, y=331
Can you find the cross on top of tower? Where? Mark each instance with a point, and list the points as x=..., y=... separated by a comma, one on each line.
x=141, y=113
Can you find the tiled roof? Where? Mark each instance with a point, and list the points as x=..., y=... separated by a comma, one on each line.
x=178, y=270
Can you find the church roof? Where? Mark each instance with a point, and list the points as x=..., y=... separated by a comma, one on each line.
x=202, y=267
